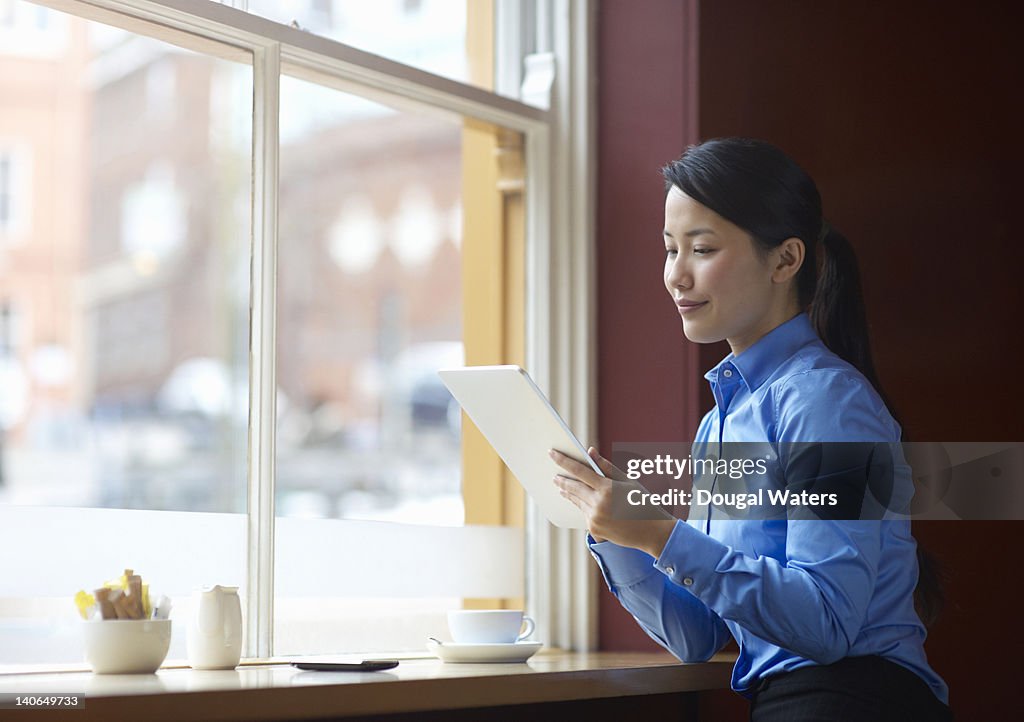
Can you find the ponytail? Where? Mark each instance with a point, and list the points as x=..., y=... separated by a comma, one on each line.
x=837, y=307
x=837, y=313
x=929, y=594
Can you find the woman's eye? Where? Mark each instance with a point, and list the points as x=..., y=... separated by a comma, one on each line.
x=702, y=251
x=670, y=251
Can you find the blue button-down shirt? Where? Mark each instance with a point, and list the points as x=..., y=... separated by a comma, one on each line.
x=791, y=592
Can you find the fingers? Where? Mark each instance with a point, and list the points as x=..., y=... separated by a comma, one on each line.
x=575, y=491
x=584, y=498
x=579, y=471
x=607, y=468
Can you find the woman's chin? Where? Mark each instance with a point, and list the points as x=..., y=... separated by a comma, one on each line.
x=696, y=334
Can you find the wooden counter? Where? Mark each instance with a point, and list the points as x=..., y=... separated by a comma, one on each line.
x=276, y=691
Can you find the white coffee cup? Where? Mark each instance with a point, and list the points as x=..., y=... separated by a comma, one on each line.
x=489, y=626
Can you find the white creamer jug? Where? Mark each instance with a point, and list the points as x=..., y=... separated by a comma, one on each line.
x=214, y=639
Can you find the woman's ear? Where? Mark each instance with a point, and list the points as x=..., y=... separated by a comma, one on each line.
x=789, y=257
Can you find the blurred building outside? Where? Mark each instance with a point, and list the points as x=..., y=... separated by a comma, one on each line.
x=125, y=176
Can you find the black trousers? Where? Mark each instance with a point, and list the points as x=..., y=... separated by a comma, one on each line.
x=855, y=689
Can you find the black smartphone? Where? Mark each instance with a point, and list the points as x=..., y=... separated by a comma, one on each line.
x=367, y=665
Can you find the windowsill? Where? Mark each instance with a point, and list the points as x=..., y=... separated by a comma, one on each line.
x=54, y=668
x=276, y=690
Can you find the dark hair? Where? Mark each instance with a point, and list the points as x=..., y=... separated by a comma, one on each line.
x=757, y=187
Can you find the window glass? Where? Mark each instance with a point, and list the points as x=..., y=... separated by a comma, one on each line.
x=7, y=200
x=124, y=339
x=124, y=318
x=369, y=307
x=32, y=31
x=426, y=34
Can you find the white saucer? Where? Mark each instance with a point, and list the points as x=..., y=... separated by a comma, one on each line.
x=483, y=653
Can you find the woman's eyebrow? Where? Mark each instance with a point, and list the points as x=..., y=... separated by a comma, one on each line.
x=691, y=234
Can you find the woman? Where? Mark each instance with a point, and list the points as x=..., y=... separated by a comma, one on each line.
x=823, y=610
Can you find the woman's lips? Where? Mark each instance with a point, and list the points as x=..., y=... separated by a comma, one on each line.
x=689, y=307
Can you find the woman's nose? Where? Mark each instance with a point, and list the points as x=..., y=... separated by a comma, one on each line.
x=678, y=275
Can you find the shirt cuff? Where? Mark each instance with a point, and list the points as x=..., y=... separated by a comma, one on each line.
x=621, y=566
x=690, y=559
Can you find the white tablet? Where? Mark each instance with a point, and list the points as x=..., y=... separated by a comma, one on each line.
x=520, y=423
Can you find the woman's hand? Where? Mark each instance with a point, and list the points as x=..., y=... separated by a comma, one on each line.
x=595, y=496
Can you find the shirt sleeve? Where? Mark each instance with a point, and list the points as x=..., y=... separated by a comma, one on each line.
x=671, y=616
x=813, y=601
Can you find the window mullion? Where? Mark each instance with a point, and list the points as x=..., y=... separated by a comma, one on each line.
x=262, y=352
x=561, y=318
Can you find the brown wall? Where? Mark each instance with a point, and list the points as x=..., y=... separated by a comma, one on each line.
x=642, y=351
x=902, y=113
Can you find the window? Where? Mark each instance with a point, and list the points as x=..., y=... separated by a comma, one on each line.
x=260, y=246
x=15, y=191
x=31, y=31
x=12, y=376
x=426, y=34
x=128, y=419
x=8, y=330
x=6, y=192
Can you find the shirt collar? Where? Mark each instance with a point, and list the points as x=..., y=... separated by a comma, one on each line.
x=758, y=362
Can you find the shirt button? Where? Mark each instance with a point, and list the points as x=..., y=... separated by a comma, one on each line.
x=727, y=373
x=670, y=570
x=688, y=582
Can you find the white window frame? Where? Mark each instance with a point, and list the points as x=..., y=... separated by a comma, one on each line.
x=560, y=265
